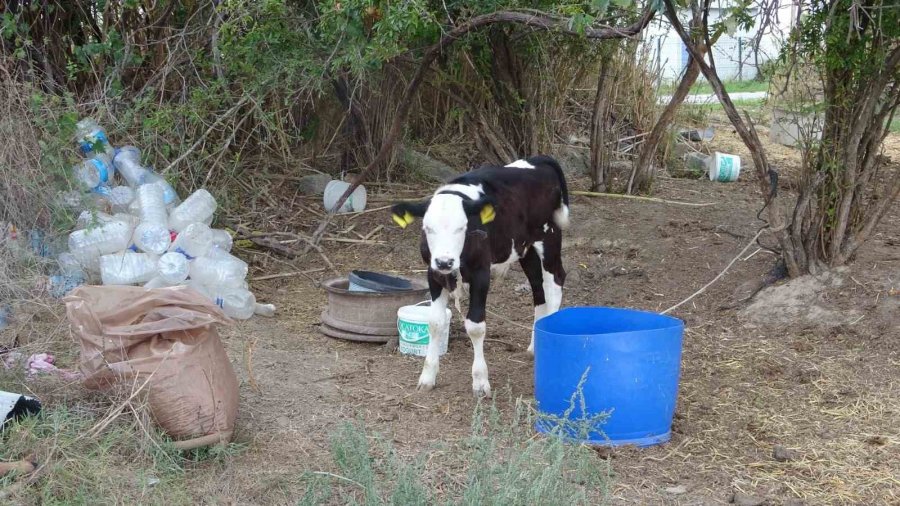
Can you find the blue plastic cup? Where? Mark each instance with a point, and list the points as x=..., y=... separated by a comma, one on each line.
x=594, y=360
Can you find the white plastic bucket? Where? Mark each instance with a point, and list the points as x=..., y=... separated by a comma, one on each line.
x=724, y=167
x=412, y=324
x=334, y=189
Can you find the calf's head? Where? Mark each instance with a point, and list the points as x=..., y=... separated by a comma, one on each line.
x=446, y=218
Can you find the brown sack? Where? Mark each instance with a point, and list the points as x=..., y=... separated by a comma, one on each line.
x=166, y=338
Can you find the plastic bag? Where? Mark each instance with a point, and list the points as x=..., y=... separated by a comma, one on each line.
x=165, y=341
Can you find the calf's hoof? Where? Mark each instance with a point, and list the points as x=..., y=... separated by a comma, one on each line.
x=425, y=384
x=481, y=388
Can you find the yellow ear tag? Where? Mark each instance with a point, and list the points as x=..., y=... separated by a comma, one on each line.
x=399, y=220
x=487, y=214
x=404, y=220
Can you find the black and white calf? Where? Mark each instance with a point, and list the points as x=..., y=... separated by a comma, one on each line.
x=482, y=221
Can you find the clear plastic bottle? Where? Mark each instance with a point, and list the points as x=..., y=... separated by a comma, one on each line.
x=127, y=160
x=120, y=197
x=95, y=172
x=87, y=219
x=267, y=310
x=69, y=265
x=127, y=218
x=89, y=244
x=219, y=269
x=173, y=268
x=237, y=303
x=91, y=138
x=170, y=196
x=194, y=241
x=222, y=239
x=199, y=207
x=127, y=268
x=152, y=235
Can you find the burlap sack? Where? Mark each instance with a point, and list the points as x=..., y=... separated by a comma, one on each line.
x=166, y=341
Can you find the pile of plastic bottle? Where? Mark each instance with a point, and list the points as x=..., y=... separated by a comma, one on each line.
x=149, y=237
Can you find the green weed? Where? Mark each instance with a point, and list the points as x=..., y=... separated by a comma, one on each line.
x=501, y=462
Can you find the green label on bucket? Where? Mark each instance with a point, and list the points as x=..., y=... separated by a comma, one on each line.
x=413, y=332
x=726, y=169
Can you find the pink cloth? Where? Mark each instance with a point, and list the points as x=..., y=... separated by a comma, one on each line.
x=40, y=363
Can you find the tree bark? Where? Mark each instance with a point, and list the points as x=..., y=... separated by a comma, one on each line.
x=599, y=128
x=642, y=173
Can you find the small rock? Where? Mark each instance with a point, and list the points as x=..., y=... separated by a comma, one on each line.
x=618, y=271
x=742, y=499
x=782, y=454
x=283, y=421
x=677, y=490
x=313, y=184
x=574, y=159
x=877, y=440
x=522, y=288
x=426, y=166
x=392, y=344
x=584, y=140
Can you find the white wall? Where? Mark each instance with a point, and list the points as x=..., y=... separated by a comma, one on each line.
x=734, y=54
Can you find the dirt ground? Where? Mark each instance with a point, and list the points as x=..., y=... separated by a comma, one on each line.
x=791, y=398
x=822, y=390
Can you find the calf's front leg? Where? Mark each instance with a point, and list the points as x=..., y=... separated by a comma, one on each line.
x=477, y=329
x=437, y=322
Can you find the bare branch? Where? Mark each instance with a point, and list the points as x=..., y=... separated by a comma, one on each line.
x=545, y=23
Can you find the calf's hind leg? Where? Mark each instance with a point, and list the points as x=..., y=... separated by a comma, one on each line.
x=531, y=264
x=552, y=273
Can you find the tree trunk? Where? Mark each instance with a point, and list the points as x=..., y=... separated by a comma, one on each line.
x=599, y=127
x=642, y=173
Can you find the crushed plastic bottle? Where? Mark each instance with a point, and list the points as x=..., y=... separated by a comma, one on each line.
x=237, y=303
x=91, y=138
x=127, y=160
x=267, y=310
x=170, y=196
x=219, y=269
x=89, y=244
x=222, y=239
x=173, y=268
x=194, y=241
x=152, y=235
x=59, y=285
x=87, y=219
x=127, y=268
x=120, y=197
x=199, y=207
x=95, y=173
x=69, y=265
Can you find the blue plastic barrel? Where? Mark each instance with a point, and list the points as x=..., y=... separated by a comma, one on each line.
x=630, y=361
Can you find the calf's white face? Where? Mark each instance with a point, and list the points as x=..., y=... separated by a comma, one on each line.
x=445, y=225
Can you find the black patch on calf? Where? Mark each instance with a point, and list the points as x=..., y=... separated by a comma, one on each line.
x=531, y=264
x=416, y=209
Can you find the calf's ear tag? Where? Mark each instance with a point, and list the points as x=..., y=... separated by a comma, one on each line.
x=488, y=214
x=404, y=220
